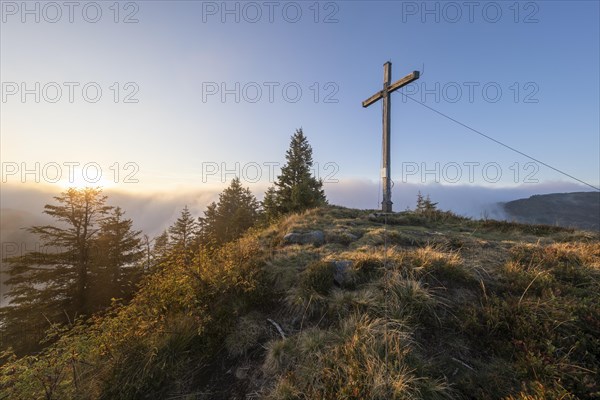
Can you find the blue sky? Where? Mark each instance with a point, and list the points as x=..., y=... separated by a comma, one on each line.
x=543, y=56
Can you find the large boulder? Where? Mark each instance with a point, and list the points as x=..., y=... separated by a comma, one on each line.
x=316, y=238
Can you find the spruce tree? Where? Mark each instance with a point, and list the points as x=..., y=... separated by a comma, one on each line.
x=296, y=189
x=157, y=252
x=53, y=283
x=236, y=211
x=118, y=253
x=425, y=205
x=269, y=203
x=183, y=235
x=161, y=244
x=430, y=206
x=420, y=203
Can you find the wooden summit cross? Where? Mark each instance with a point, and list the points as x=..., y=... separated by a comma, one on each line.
x=388, y=88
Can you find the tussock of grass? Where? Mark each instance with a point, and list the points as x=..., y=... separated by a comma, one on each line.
x=318, y=277
x=284, y=268
x=342, y=303
x=308, y=298
x=366, y=268
x=410, y=299
x=246, y=334
x=365, y=358
x=306, y=304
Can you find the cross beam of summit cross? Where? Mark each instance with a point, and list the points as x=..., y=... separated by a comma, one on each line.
x=388, y=88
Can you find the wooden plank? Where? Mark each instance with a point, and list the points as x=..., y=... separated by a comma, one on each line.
x=404, y=81
x=395, y=86
x=386, y=204
x=372, y=99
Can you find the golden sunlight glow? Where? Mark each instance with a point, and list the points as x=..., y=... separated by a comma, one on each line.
x=81, y=183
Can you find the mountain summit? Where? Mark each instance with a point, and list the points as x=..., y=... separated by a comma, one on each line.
x=336, y=303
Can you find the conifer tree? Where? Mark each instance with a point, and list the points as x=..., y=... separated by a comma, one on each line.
x=425, y=205
x=161, y=244
x=183, y=235
x=430, y=206
x=420, y=203
x=269, y=203
x=295, y=189
x=236, y=211
x=118, y=252
x=53, y=283
x=157, y=252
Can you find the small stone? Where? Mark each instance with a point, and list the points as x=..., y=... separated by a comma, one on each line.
x=341, y=269
x=241, y=372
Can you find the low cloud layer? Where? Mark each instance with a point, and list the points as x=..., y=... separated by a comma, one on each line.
x=467, y=200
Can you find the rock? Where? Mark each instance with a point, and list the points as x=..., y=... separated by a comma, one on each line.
x=316, y=238
x=341, y=269
x=241, y=372
x=292, y=238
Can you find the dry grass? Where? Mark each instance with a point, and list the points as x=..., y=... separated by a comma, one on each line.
x=512, y=301
x=364, y=358
x=248, y=332
x=431, y=308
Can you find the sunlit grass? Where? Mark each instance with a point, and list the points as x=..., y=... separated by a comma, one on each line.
x=483, y=311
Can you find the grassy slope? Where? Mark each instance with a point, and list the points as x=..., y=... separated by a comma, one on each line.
x=438, y=307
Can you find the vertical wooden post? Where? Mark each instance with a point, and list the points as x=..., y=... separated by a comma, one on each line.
x=386, y=204
x=385, y=96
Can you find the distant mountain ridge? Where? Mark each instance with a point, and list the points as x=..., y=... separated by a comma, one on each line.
x=577, y=210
